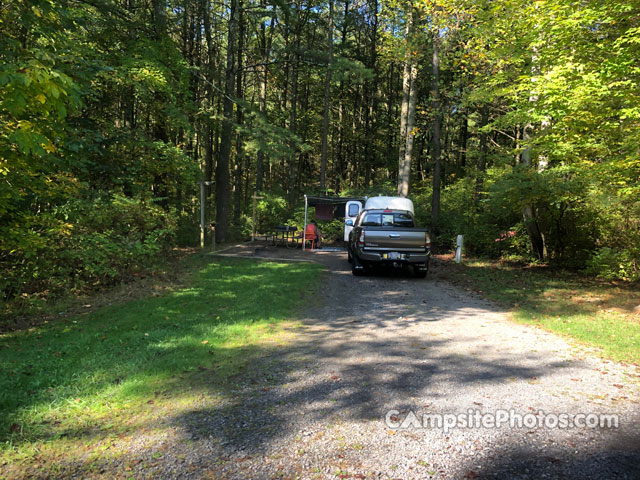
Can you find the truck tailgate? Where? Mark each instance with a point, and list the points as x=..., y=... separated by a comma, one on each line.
x=394, y=239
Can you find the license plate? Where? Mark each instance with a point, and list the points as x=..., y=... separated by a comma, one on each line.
x=394, y=256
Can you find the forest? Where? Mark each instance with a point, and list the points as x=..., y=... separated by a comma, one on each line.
x=515, y=123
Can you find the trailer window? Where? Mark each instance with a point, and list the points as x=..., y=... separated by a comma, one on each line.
x=354, y=208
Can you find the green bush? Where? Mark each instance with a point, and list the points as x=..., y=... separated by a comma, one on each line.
x=271, y=210
x=611, y=264
x=84, y=244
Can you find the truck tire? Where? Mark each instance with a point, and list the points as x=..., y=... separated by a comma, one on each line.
x=357, y=270
x=420, y=273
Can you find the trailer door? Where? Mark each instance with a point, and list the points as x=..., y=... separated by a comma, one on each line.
x=351, y=211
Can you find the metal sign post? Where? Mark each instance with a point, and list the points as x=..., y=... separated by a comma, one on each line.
x=202, y=210
x=304, y=231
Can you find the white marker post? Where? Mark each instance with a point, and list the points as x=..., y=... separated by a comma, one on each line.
x=459, y=249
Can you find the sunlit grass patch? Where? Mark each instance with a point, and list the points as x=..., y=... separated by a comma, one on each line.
x=598, y=314
x=100, y=374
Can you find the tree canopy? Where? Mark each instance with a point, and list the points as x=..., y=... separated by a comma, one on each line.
x=494, y=116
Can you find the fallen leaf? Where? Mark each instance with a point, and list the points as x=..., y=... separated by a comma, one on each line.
x=205, y=342
x=14, y=428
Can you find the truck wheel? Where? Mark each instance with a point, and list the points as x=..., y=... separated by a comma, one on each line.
x=419, y=273
x=357, y=270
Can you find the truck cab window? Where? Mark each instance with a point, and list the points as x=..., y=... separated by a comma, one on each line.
x=371, y=220
x=402, y=220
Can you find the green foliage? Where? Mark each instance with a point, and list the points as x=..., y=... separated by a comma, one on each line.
x=271, y=211
x=611, y=264
x=332, y=231
x=82, y=245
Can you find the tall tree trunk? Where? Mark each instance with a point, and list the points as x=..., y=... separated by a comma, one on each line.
x=159, y=18
x=264, y=73
x=528, y=214
x=435, y=88
x=293, y=118
x=403, y=171
x=371, y=96
x=238, y=166
x=340, y=163
x=327, y=94
x=223, y=186
x=209, y=100
x=464, y=137
x=482, y=159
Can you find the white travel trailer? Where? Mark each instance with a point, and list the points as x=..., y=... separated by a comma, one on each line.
x=353, y=209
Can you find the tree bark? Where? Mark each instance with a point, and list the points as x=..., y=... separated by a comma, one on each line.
x=435, y=88
x=264, y=73
x=404, y=174
x=528, y=214
x=482, y=159
x=464, y=137
x=293, y=119
x=209, y=100
x=403, y=171
x=238, y=166
x=223, y=186
x=327, y=94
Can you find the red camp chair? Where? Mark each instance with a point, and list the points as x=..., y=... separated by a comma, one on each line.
x=310, y=235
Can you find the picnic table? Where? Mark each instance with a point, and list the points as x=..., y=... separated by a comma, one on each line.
x=286, y=235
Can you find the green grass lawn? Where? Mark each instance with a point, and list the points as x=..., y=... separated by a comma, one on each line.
x=595, y=313
x=97, y=374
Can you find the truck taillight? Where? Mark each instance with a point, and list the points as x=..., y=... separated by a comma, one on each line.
x=361, y=239
x=427, y=242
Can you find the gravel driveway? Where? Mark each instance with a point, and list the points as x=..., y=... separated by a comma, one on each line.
x=384, y=342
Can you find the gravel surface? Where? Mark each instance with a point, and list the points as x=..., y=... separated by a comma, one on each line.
x=316, y=408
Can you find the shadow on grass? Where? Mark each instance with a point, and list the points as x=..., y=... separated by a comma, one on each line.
x=93, y=363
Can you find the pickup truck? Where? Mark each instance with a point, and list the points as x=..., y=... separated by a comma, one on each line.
x=387, y=236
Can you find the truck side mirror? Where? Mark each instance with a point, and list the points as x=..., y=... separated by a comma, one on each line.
x=349, y=223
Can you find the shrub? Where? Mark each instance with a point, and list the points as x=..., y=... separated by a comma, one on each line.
x=84, y=244
x=611, y=264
